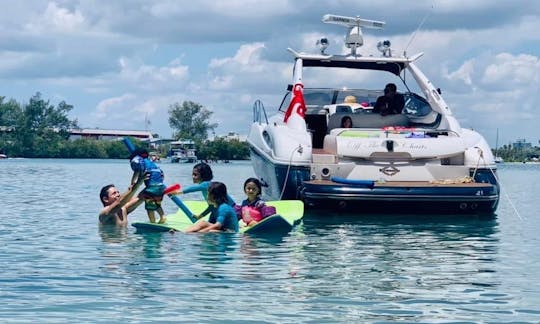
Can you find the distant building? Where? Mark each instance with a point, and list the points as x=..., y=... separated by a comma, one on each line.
x=156, y=143
x=521, y=144
x=234, y=136
x=108, y=134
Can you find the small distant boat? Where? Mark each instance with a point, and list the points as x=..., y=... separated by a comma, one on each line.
x=182, y=152
x=3, y=156
x=497, y=158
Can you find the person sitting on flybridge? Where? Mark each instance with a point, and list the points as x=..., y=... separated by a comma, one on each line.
x=391, y=103
x=349, y=105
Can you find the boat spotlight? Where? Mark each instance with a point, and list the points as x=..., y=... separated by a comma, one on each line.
x=323, y=44
x=384, y=48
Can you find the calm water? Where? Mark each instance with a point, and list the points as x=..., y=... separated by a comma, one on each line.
x=59, y=266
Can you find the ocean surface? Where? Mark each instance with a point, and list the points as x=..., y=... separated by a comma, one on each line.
x=59, y=266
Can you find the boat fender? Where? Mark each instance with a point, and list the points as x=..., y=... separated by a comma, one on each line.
x=361, y=183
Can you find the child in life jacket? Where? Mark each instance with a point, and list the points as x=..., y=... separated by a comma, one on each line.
x=253, y=208
x=152, y=194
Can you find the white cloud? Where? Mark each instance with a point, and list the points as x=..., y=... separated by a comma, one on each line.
x=57, y=19
x=205, y=9
x=463, y=73
x=246, y=71
x=112, y=108
x=513, y=70
x=129, y=111
x=246, y=58
x=120, y=60
x=153, y=78
x=501, y=92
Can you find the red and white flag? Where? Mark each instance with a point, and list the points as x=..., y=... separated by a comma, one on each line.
x=296, y=113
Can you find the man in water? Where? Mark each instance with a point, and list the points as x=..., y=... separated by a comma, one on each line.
x=116, y=207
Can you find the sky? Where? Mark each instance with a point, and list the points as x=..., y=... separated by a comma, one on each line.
x=122, y=63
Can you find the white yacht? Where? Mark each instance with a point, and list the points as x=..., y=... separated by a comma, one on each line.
x=420, y=160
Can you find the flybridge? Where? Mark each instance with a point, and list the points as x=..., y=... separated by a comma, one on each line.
x=354, y=40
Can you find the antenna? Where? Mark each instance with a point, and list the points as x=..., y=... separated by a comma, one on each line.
x=416, y=31
x=146, y=122
x=354, y=38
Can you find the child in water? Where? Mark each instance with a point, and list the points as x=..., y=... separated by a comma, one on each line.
x=253, y=208
x=224, y=218
x=152, y=194
x=250, y=212
x=202, y=175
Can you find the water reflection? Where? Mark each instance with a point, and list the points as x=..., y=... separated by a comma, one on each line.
x=152, y=246
x=133, y=264
x=396, y=256
x=216, y=248
x=416, y=268
x=112, y=234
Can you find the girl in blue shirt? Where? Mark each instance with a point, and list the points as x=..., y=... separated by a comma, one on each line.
x=225, y=216
x=202, y=175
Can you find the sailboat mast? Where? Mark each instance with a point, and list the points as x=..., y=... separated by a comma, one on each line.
x=146, y=122
x=497, y=143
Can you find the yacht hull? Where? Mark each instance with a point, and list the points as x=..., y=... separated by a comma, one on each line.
x=287, y=181
x=403, y=197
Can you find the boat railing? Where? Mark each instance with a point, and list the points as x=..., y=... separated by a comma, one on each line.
x=420, y=132
x=392, y=132
x=259, y=113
